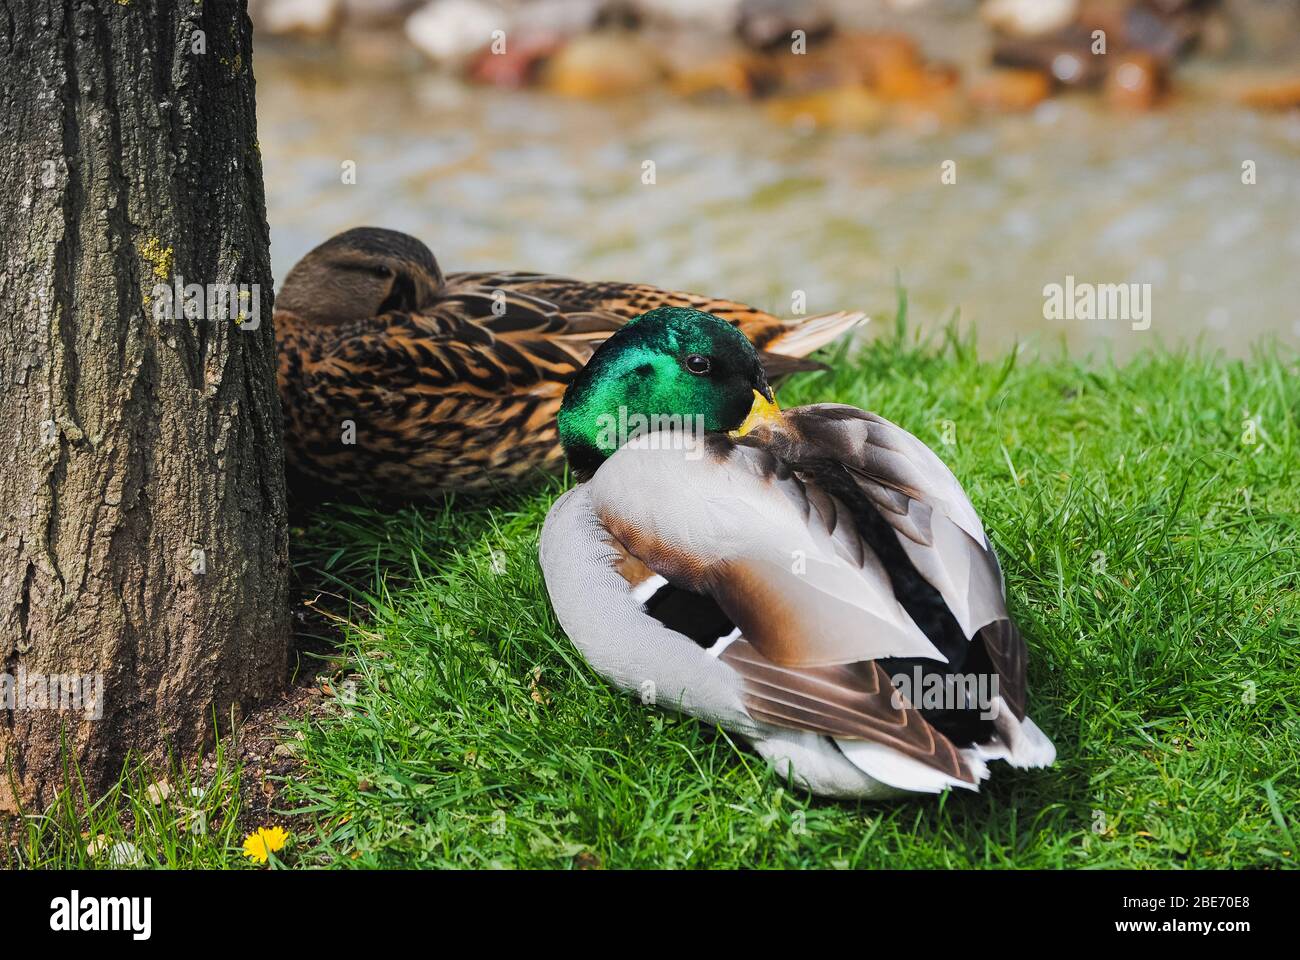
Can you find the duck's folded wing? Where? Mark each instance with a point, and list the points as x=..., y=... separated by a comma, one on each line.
x=627, y=300
x=931, y=516
x=576, y=316
x=784, y=561
x=782, y=558
x=847, y=702
x=517, y=309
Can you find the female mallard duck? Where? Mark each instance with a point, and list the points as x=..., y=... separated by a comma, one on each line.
x=781, y=573
x=397, y=380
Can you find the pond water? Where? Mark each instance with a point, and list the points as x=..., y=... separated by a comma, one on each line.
x=747, y=207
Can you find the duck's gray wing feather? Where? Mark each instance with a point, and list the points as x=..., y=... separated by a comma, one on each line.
x=936, y=525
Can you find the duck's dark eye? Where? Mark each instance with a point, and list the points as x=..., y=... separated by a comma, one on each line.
x=383, y=271
x=698, y=365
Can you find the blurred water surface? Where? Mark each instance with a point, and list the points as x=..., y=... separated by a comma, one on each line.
x=746, y=207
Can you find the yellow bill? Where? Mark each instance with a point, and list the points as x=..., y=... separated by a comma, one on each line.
x=764, y=411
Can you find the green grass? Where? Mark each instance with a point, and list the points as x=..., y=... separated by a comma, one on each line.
x=192, y=826
x=1146, y=515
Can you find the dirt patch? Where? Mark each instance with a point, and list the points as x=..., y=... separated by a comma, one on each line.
x=265, y=751
x=266, y=747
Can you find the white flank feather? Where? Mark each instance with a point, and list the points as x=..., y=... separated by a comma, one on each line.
x=1026, y=745
x=902, y=772
x=647, y=588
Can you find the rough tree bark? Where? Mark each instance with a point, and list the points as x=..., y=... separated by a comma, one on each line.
x=145, y=536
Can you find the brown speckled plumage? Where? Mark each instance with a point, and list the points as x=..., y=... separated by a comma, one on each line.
x=453, y=383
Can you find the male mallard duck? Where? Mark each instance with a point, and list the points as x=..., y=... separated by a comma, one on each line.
x=398, y=380
x=780, y=573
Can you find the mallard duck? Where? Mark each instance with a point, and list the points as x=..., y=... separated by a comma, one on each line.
x=813, y=579
x=397, y=380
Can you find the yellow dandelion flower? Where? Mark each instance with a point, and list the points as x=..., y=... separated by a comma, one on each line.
x=259, y=845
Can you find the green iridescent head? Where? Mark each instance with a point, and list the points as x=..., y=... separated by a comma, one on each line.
x=666, y=364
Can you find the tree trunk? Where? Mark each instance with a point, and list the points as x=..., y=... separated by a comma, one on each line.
x=144, y=550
